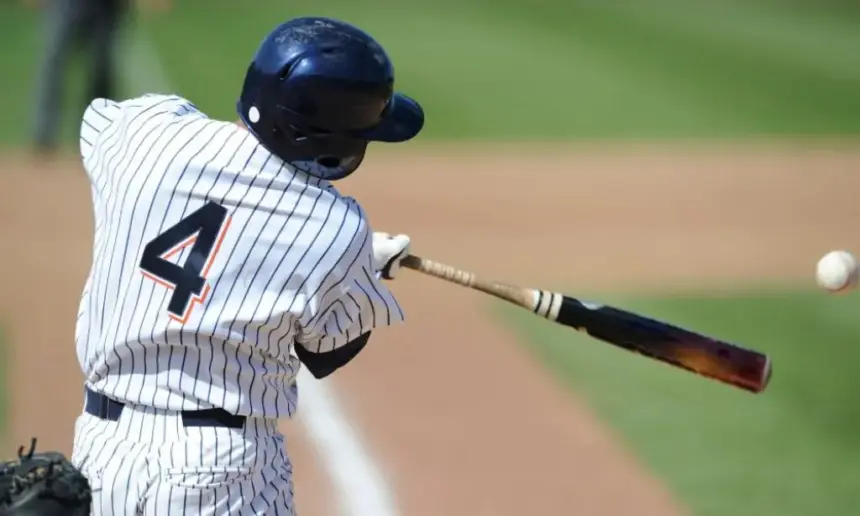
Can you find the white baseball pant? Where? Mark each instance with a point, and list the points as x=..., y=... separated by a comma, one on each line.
x=149, y=463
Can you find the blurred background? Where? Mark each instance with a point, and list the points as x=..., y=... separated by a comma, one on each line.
x=690, y=161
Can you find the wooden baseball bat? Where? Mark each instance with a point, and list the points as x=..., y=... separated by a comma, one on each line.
x=706, y=356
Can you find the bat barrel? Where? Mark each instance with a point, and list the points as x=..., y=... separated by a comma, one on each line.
x=712, y=358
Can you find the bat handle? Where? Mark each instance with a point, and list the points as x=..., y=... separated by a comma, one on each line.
x=439, y=270
x=543, y=303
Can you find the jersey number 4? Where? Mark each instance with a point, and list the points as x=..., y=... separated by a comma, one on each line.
x=203, y=230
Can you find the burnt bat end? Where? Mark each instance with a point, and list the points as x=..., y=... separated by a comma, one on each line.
x=712, y=358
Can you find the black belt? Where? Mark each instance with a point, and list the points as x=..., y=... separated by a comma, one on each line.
x=102, y=407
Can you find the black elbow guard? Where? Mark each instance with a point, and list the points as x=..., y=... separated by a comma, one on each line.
x=323, y=364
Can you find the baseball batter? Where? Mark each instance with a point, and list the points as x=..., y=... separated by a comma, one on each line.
x=223, y=260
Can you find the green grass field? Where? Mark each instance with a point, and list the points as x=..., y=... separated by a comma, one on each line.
x=502, y=69
x=792, y=450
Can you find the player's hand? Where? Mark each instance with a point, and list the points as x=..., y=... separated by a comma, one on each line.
x=388, y=252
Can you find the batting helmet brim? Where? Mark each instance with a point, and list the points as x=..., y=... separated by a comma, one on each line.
x=402, y=121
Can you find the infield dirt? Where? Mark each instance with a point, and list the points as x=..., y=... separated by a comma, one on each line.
x=460, y=418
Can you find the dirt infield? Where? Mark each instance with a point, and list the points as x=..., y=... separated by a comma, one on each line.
x=460, y=419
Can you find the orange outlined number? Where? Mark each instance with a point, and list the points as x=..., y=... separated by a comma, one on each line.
x=204, y=230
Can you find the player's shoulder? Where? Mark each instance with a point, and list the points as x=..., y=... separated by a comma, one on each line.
x=168, y=104
x=106, y=111
x=100, y=114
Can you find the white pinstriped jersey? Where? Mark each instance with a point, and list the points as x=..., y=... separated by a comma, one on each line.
x=212, y=258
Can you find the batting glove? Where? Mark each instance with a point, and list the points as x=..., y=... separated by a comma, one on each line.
x=388, y=252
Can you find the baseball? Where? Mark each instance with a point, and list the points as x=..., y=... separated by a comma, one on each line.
x=836, y=271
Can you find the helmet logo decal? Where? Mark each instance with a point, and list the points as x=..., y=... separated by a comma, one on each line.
x=253, y=114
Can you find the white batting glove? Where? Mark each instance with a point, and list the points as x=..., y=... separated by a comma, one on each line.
x=388, y=252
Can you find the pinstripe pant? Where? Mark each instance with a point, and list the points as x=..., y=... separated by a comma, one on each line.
x=148, y=463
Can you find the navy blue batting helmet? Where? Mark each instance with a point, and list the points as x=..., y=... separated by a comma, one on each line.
x=318, y=91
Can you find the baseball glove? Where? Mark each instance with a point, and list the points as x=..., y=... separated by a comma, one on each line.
x=44, y=484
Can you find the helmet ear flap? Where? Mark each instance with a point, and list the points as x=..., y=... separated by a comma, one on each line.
x=296, y=135
x=288, y=132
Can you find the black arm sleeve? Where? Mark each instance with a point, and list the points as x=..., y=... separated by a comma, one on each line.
x=323, y=364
